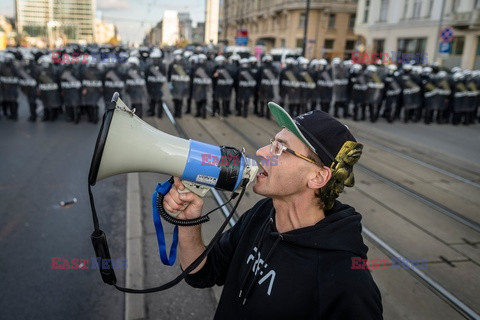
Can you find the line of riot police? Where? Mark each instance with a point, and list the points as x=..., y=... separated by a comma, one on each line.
x=75, y=87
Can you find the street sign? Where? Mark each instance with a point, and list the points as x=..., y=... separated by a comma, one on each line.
x=445, y=48
x=446, y=34
x=241, y=41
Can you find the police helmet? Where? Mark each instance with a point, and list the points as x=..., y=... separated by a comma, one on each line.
x=193, y=59
x=156, y=54
x=392, y=67
x=372, y=68
x=356, y=68
x=201, y=58
x=220, y=60
x=336, y=60
x=427, y=70
x=267, y=58
x=244, y=62
x=457, y=76
x=407, y=67
x=187, y=54
x=133, y=61
x=323, y=62
x=234, y=57
x=253, y=59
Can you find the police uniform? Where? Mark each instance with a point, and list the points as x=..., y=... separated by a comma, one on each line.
x=71, y=88
x=155, y=74
x=268, y=82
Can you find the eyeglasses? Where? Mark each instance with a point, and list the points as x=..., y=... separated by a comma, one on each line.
x=276, y=148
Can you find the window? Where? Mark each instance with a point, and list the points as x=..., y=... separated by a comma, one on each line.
x=383, y=10
x=365, y=11
x=331, y=21
x=417, y=8
x=328, y=44
x=454, y=6
x=301, y=22
x=412, y=45
x=299, y=42
x=350, y=45
x=457, y=45
x=476, y=5
x=405, y=10
x=282, y=43
x=351, y=22
x=429, y=9
x=378, y=45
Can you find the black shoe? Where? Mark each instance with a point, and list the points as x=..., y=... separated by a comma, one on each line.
x=150, y=113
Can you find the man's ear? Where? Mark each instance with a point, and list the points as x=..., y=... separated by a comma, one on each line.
x=319, y=177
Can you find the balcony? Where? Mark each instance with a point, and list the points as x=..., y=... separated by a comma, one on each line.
x=466, y=20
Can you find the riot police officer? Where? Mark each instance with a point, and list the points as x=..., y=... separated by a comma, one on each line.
x=268, y=83
x=430, y=95
x=135, y=85
x=340, y=88
x=156, y=77
x=472, y=97
x=307, y=85
x=49, y=88
x=113, y=79
x=187, y=54
x=288, y=85
x=71, y=89
x=410, y=98
x=358, y=88
x=246, y=84
x=179, y=81
x=9, y=82
x=28, y=83
x=91, y=88
x=254, y=70
x=392, y=93
x=222, y=83
x=375, y=92
x=444, y=92
x=201, y=84
x=325, y=85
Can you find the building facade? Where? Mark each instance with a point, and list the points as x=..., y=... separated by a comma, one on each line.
x=280, y=24
x=170, y=28
x=185, y=26
x=104, y=32
x=56, y=20
x=211, y=21
x=413, y=27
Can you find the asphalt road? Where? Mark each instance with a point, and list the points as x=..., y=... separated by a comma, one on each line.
x=41, y=165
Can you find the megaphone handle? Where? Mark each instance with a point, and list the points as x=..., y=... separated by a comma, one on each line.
x=198, y=189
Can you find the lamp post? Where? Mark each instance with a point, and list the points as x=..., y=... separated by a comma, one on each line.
x=305, y=27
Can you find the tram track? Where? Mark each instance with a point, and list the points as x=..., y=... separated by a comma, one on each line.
x=435, y=286
x=426, y=279
x=474, y=225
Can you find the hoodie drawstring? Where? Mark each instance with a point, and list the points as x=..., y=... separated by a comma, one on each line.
x=262, y=232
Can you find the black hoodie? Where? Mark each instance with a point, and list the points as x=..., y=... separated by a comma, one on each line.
x=301, y=274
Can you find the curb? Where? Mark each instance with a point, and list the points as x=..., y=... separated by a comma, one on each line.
x=134, y=303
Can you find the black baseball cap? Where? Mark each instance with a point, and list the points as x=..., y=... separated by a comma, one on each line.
x=322, y=133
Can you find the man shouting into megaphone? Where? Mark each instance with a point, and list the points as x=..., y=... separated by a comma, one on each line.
x=289, y=256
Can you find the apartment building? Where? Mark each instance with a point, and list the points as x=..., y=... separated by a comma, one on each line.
x=280, y=24
x=72, y=21
x=414, y=26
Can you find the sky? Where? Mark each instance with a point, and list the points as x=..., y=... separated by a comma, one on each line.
x=133, y=18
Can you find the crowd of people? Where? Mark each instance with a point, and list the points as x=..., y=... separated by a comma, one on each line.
x=73, y=83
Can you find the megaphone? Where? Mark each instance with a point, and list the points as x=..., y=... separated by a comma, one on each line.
x=126, y=144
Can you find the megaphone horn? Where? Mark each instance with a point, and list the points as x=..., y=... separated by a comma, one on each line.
x=126, y=143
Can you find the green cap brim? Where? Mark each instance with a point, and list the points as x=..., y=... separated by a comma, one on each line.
x=285, y=121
